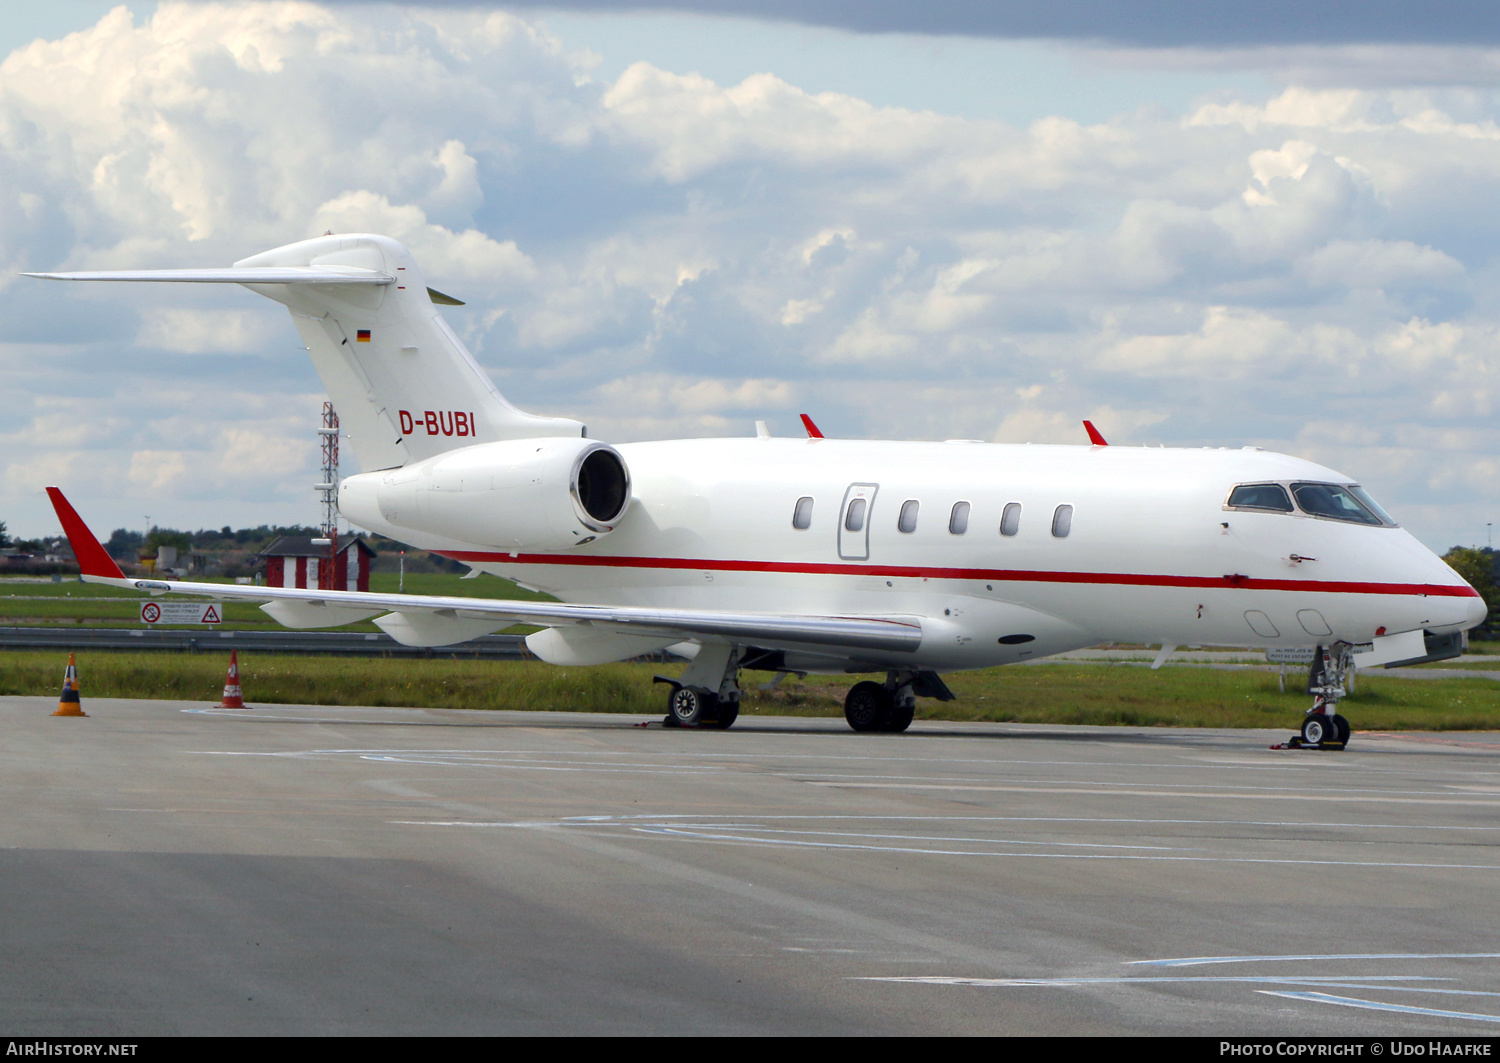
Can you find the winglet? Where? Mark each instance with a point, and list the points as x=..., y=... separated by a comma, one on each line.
x=1094, y=437
x=93, y=559
x=812, y=429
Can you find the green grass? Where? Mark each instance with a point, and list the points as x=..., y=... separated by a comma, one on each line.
x=1177, y=696
x=1055, y=694
x=25, y=603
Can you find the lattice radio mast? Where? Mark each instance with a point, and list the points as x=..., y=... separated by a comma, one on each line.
x=329, y=487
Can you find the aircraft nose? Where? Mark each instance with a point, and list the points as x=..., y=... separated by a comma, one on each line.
x=1477, y=612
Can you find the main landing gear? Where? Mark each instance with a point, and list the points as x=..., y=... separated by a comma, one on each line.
x=887, y=706
x=1323, y=727
x=708, y=694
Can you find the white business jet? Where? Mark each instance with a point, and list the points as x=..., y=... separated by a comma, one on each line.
x=813, y=555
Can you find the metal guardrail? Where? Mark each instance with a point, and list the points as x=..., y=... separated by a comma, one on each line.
x=188, y=640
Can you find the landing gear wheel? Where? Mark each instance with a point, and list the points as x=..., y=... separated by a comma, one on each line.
x=900, y=718
x=1318, y=728
x=867, y=706
x=687, y=707
x=1341, y=730
x=725, y=713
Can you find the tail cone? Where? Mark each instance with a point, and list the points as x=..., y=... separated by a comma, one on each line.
x=233, y=698
x=69, y=704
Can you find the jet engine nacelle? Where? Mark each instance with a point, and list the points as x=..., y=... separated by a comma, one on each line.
x=520, y=494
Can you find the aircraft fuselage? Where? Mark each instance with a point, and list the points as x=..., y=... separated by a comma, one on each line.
x=1152, y=552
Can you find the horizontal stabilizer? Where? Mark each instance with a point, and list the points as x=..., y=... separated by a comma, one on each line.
x=233, y=275
x=405, y=386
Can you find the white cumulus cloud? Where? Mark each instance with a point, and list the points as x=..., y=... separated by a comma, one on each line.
x=1311, y=270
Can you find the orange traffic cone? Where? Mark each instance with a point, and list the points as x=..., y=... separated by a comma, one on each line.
x=233, y=698
x=69, y=704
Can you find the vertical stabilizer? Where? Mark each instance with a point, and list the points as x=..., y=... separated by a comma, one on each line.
x=402, y=381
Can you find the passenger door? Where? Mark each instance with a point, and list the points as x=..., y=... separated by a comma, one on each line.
x=854, y=522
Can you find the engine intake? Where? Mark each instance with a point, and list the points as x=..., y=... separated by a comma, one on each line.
x=601, y=487
x=522, y=494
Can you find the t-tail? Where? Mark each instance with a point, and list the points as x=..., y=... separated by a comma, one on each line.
x=405, y=386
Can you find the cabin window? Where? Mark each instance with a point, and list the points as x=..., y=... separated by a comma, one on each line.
x=907, y=522
x=1010, y=520
x=958, y=520
x=854, y=520
x=1260, y=496
x=1062, y=521
x=802, y=515
x=1346, y=502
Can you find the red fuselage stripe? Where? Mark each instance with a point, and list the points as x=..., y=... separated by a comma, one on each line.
x=1126, y=579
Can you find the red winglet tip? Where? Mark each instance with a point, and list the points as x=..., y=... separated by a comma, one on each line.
x=812, y=429
x=93, y=559
x=1094, y=437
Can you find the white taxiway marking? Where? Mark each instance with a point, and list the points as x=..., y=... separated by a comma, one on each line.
x=863, y=817
x=1375, y=1005
x=1190, y=765
x=756, y=834
x=697, y=833
x=1241, y=794
x=1327, y=981
x=1197, y=961
x=1313, y=991
x=687, y=833
x=444, y=758
x=656, y=762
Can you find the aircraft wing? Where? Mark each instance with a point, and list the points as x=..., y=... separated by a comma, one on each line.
x=436, y=620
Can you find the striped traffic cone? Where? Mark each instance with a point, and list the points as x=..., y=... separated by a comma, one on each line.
x=233, y=698
x=69, y=704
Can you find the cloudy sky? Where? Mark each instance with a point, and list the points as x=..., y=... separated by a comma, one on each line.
x=1196, y=227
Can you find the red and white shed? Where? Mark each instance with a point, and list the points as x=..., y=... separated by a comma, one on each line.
x=295, y=561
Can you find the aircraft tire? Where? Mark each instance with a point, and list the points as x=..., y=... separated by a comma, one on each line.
x=725, y=713
x=1341, y=730
x=687, y=707
x=900, y=719
x=867, y=707
x=1317, y=729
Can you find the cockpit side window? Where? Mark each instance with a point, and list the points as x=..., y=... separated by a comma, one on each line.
x=1338, y=502
x=1260, y=496
x=1370, y=504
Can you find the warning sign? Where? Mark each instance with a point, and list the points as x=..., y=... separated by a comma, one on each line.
x=182, y=612
x=1290, y=654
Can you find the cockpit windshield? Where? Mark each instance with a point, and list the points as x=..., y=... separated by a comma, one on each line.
x=1347, y=502
x=1260, y=496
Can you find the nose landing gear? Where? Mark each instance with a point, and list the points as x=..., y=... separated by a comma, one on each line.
x=1323, y=727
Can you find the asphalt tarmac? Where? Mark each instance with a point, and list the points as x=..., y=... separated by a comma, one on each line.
x=166, y=868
